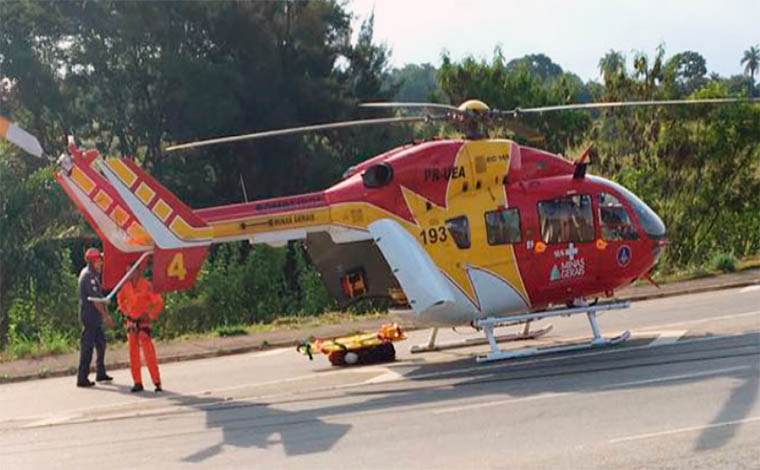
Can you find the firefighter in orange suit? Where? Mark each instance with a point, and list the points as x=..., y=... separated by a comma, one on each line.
x=141, y=306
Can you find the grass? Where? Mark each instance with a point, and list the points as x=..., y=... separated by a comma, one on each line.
x=48, y=344
x=700, y=272
x=231, y=330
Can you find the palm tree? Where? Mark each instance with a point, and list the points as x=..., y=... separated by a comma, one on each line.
x=612, y=64
x=751, y=60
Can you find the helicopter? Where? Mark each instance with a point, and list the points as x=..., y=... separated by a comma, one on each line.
x=472, y=231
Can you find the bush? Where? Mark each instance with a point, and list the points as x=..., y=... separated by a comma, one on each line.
x=46, y=343
x=725, y=262
x=189, y=315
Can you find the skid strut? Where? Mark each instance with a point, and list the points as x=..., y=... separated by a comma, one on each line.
x=598, y=340
x=526, y=333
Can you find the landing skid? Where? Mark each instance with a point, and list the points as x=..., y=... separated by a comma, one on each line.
x=526, y=333
x=488, y=325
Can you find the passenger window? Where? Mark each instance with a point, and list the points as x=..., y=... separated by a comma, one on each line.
x=616, y=225
x=503, y=226
x=567, y=219
x=459, y=228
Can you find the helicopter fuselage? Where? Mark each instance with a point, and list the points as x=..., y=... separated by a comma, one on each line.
x=506, y=228
x=461, y=229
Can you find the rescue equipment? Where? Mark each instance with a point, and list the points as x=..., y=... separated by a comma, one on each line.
x=362, y=348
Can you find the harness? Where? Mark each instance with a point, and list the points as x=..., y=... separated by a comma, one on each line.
x=137, y=325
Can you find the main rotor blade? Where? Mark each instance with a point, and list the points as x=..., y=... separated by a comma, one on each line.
x=623, y=104
x=298, y=130
x=19, y=137
x=523, y=130
x=445, y=107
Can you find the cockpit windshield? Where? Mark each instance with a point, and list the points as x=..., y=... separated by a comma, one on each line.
x=651, y=222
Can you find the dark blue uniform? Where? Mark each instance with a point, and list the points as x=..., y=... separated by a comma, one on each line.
x=92, y=323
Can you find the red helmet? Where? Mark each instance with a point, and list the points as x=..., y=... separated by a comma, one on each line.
x=92, y=254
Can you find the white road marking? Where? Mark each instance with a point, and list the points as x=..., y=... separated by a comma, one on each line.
x=474, y=406
x=681, y=430
x=701, y=320
x=667, y=337
x=749, y=289
x=387, y=375
x=678, y=377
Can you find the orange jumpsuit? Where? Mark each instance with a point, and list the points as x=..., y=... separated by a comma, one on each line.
x=141, y=305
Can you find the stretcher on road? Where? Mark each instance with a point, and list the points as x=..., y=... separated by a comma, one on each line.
x=362, y=348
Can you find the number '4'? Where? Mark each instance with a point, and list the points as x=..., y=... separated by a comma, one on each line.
x=177, y=267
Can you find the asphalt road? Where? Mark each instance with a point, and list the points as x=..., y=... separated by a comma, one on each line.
x=681, y=394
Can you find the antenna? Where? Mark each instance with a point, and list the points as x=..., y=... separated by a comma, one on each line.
x=242, y=185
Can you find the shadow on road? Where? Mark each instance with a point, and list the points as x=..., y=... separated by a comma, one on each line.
x=250, y=424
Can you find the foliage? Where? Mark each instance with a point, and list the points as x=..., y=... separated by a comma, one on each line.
x=416, y=83
x=725, y=262
x=231, y=330
x=132, y=77
x=239, y=285
x=696, y=166
x=507, y=87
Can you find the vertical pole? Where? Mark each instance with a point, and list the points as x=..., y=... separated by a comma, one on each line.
x=591, y=314
x=491, y=340
x=526, y=330
x=431, y=339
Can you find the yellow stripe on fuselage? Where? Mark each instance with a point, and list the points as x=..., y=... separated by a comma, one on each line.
x=103, y=200
x=127, y=176
x=186, y=231
x=271, y=223
x=162, y=210
x=144, y=193
x=82, y=180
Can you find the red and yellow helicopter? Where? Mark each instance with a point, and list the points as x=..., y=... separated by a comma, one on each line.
x=472, y=231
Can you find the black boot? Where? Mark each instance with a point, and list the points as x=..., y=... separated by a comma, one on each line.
x=103, y=378
x=137, y=388
x=86, y=383
x=158, y=387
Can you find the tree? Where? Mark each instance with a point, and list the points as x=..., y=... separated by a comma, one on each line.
x=612, y=65
x=133, y=77
x=503, y=88
x=685, y=73
x=540, y=64
x=751, y=60
x=415, y=83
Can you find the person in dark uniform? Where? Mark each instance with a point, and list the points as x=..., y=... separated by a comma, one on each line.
x=92, y=315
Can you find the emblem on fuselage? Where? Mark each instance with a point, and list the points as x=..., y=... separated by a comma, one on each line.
x=574, y=267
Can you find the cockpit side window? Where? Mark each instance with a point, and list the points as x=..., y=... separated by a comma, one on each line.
x=503, y=226
x=651, y=222
x=615, y=222
x=459, y=228
x=567, y=219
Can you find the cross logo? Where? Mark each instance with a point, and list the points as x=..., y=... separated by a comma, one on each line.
x=571, y=251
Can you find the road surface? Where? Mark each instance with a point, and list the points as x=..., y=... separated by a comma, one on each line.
x=681, y=394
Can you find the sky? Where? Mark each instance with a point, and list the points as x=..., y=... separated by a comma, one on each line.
x=574, y=33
